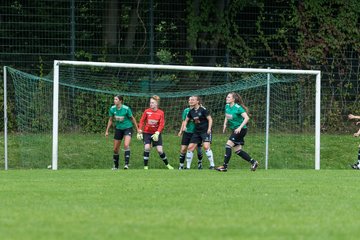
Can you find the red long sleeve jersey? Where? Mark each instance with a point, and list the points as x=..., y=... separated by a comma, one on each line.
x=154, y=121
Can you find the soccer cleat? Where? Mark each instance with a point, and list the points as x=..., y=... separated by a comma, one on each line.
x=146, y=167
x=114, y=169
x=355, y=166
x=200, y=165
x=181, y=167
x=126, y=166
x=170, y=167
x=254, y=166
x=212, y=168
x=221, y=169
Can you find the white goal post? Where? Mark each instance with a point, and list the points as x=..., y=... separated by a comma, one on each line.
x=5, y=121
x=58, y=63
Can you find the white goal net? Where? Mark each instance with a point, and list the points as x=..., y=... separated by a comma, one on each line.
x=60, y=119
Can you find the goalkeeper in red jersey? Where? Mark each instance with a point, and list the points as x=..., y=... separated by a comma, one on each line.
x=357, y=134
x=124, y=122
x=151, y=124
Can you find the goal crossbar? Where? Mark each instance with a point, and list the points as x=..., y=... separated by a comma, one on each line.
x=57, y=64
x=185, y=68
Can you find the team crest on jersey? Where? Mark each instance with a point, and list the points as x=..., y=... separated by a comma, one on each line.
x=229, y=116
x=119, y=118
x=196, y=120
x=152, y=121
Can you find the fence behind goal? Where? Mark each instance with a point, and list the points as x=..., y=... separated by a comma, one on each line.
x=282, y=105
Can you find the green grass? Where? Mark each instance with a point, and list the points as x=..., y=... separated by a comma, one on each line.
x=94, y=151
x=85, y=200
x=164, y=204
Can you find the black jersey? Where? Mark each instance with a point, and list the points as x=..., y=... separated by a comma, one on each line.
x=200, y=119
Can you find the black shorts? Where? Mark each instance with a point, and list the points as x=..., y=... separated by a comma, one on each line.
x=200, y=138
x=120, y=133
x=186, y=137
x=238, y=138
x=185, y=140
x=148, y=140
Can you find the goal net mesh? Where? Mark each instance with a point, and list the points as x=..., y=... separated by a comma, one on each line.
x=86, y=94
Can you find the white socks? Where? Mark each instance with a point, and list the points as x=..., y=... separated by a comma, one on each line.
x=210, y=156
x=189, y=157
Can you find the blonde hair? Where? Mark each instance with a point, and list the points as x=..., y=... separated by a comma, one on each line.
x=156, y=98
x=198, y=98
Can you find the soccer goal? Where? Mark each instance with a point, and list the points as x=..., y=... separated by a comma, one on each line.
x=60, y=119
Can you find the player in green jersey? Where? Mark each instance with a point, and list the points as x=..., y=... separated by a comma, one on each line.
x=188, y=130
x=236, y=118
x=357, y=134
x=124, y=122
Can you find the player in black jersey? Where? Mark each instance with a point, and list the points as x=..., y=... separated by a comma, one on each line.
x=202, y=134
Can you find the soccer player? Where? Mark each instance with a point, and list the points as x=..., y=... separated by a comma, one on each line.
x=357, y=134
x=154, y=121
x=202, y=134
x=124, y=122
x=236, y=118
x=185, y=140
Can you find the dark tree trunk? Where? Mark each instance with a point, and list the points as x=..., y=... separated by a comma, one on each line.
x=111, y=23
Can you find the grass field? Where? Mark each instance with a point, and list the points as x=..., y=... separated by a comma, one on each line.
x=94, y=151
x=164, y=204
x=84, y=199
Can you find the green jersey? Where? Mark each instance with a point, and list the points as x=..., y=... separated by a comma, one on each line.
x=122, y=116
x=233, y=115
x=190, y=126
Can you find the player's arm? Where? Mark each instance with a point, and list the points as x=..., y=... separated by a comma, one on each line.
x=135, y=123
x=160, y=127
x=161, y=123
x=225, y=124
x=246, y=120
x=357, y=133
x=132, y=119
x=108, y=126
x=351, y=116
x=141, y=122
x=185, y=122
x=182, y=128
x=183, y=125
x=139, y=134
x=210, y=120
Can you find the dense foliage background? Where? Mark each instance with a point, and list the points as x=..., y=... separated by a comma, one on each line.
x=306, y=34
